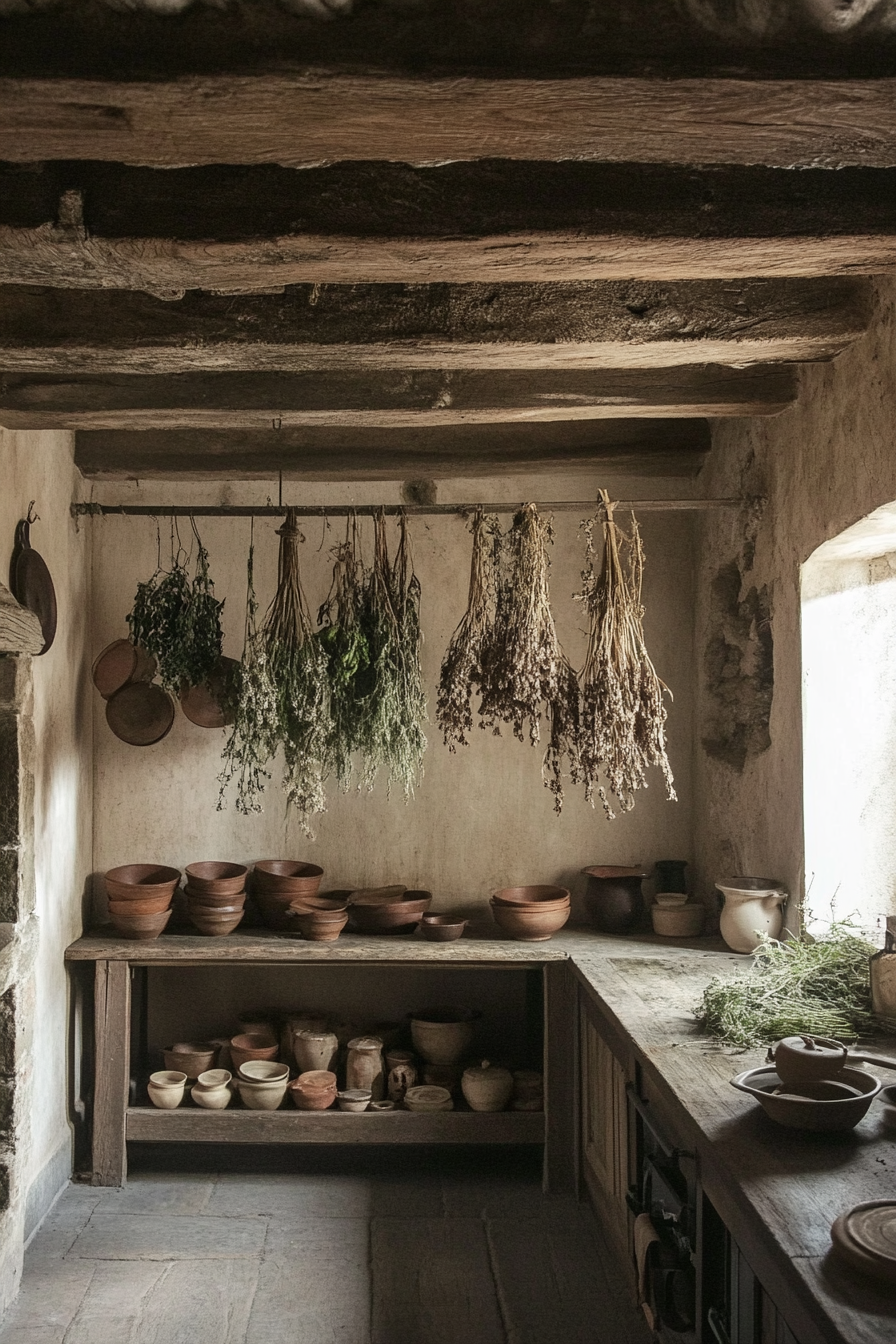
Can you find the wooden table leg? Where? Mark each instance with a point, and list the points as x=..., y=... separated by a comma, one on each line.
x=561, y=1087
x=112, y=1059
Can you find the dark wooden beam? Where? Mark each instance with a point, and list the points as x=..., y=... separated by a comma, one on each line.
x=396, y=400
x=649, y=447
x=311, y=117
x=325, y=328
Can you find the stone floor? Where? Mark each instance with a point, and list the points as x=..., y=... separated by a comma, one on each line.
x=362, y=1247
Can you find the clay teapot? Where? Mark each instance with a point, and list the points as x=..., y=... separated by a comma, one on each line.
x=487, y=1087
x=802, y=1060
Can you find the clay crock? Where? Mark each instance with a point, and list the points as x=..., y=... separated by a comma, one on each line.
x=443, y=1035
x=315, y=1050
x=613, y=898
x=314, y=1091
x=364, y=1066
x=487, y=1087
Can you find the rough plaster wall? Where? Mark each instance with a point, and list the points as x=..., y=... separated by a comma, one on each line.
x=482, y=817
x=39, y=466
x=823, y=465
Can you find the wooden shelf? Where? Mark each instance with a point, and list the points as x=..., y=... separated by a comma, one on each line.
x=193, y=1125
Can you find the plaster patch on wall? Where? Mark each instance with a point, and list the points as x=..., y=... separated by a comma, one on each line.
x=739, y=669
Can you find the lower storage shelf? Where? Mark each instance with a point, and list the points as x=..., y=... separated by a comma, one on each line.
x=191, y=1125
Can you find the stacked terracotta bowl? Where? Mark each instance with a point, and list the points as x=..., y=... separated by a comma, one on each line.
x=140, y=898
x=216, y=896
x=320, y=919
x=530, y=914
x=277, y=883
x=388, y=909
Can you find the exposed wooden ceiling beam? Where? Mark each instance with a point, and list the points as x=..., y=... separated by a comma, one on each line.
x=316, y=117
x=245, y=228
x=582, y=326
x=256, y=401
x=649, y=447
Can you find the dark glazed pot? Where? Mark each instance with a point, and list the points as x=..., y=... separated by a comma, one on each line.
x=614, y=900
x=670, y=875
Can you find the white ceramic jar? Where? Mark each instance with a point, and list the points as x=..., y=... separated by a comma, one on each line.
x=752, y=909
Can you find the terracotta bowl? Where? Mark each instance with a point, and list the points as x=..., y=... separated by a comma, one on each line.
x=529, y=926
x=218, y=879
x=442, y=928
x=191, y=1057
x=153, y=905
x=216, y=926
x=393, y=914
x=138, y=881
x=140, y=927
x=287, y=877
x=560, y=904
x=233, y=905
x=252, y=1045
x=329, y=904
x=377, y=895
x=541, y=896
x=320, y=926
x=314, y=1090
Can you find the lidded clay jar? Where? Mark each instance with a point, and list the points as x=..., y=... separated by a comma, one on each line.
x=487, y=1087
x=802, y=1060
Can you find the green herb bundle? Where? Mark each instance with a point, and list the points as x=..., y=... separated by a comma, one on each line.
x=525, y=673
x=462, y=665
x=348, y=657
x=623, y=711
x=392, y=736
x=179, y=621
x=820, y=987
x=253, y=737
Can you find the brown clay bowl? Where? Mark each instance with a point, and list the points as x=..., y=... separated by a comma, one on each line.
x=377, y=895
x=536, y=905
x=542, y=896
x=140, y=927
x=120, y=664
x=137, y=881
x=529, y=926
x=216, y=926
x=218, y=879
x=275, y=914
x=396, y=914
x=287, y=877
x=191, y=1057
x=326, y=904
x=252, y=1045
x=320, y=926
x=442, y=928
x=153, y=905
x=233, y=905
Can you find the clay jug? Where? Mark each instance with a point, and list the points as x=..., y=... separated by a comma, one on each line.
x=315, y=1050
x=752, y=909
x=487, y=1087
x=364, y=1066
x=613, y=898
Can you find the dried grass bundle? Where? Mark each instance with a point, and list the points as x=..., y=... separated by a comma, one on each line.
x=462, y=665
x=623, y=711
x=253, y=738
x=348, y=656
x=525, y=673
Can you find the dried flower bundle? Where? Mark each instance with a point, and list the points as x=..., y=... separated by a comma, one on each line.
x=623, y=711
x=392, y=733
x=253, y=737
x=179, y=622
x=462, y=665
x=525, y=673
x=348, y=656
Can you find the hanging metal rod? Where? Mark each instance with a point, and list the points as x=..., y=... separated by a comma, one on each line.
x=87, y=510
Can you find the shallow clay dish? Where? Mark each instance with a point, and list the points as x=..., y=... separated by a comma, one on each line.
x=442, y=928
x=865, y=1237
x=141, y=714
x=216, y=879
x=120, y=664
x=832, y=1104
x=141, y=927
x=426, y=1099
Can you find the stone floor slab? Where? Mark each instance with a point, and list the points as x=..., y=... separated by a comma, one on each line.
x=180, y=1193
x=130, y=1236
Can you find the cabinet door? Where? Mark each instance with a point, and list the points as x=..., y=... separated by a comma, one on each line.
x=605, y=1139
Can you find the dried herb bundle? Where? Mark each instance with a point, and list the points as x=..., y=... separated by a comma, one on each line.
x=253, y=738
x=392, y=733
x=179, y=621
x=525, y=672
x=821, y=987
x=348, y=656
x=623, y=712
x=462, y=664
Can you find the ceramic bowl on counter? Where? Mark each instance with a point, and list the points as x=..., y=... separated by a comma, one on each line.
x=141, y=928
x=678, y=921
x=263, y=1071
x=166, y=1088
x=253, y=1045
x=532, y=898
x=261, y=1096
x=529, y=924
x=442, y=928
x=193, y=1057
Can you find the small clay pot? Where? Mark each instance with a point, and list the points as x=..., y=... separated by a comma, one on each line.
x=166, y=1089
x=216, y=879
x=213, y=1090
x=487, y=1087
x=529, y=926
x=443, y=1035
x=192, y=1057
x=801, y=1060
x=139, y=881
x=141, y=928
x=614, y=899
x=261, y=1096
x=353, y=1099
x=442, y=928
x=314, y=1091
x=252, y=1045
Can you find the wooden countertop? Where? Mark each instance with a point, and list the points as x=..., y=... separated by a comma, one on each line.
x=778, y=1190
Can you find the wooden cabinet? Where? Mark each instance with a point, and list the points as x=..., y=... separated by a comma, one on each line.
x=605, y=1138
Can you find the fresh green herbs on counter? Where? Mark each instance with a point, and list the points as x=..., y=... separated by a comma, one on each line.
x=179, y=621
x=792, y=987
